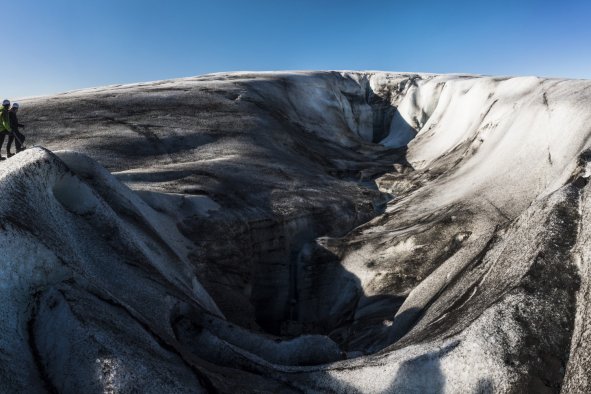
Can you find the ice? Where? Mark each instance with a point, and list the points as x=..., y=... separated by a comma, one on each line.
x=307, y=231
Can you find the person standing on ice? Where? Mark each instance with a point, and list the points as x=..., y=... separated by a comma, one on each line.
x=16, y=134
x=4, y=124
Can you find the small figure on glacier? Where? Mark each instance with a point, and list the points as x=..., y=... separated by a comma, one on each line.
x=4, y=124
x=15, y=135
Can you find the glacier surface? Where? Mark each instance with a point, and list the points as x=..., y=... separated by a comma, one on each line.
x=300, y=232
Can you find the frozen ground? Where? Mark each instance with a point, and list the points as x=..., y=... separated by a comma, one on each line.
x=300, y=232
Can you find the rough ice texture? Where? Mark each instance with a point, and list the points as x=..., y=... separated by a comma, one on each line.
x=300, y=232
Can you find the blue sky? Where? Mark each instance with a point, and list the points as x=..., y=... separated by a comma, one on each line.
x=58, y=45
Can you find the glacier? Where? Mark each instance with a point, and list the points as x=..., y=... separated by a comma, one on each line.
x=313, y=231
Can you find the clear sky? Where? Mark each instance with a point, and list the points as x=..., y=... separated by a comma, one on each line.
x=58, y=45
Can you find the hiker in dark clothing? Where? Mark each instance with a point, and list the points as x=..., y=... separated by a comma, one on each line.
x=4, y=124
x=15, y=134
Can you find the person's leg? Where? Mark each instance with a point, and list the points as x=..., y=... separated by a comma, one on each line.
x=9, y=145
x=2, y=136
x=20, y=141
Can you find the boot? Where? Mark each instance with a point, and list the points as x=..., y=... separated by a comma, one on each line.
x=9, y=154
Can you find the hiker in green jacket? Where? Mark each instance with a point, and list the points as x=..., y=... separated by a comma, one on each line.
x=4, y=124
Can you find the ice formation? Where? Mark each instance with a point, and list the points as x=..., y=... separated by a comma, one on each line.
x=300, y=232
